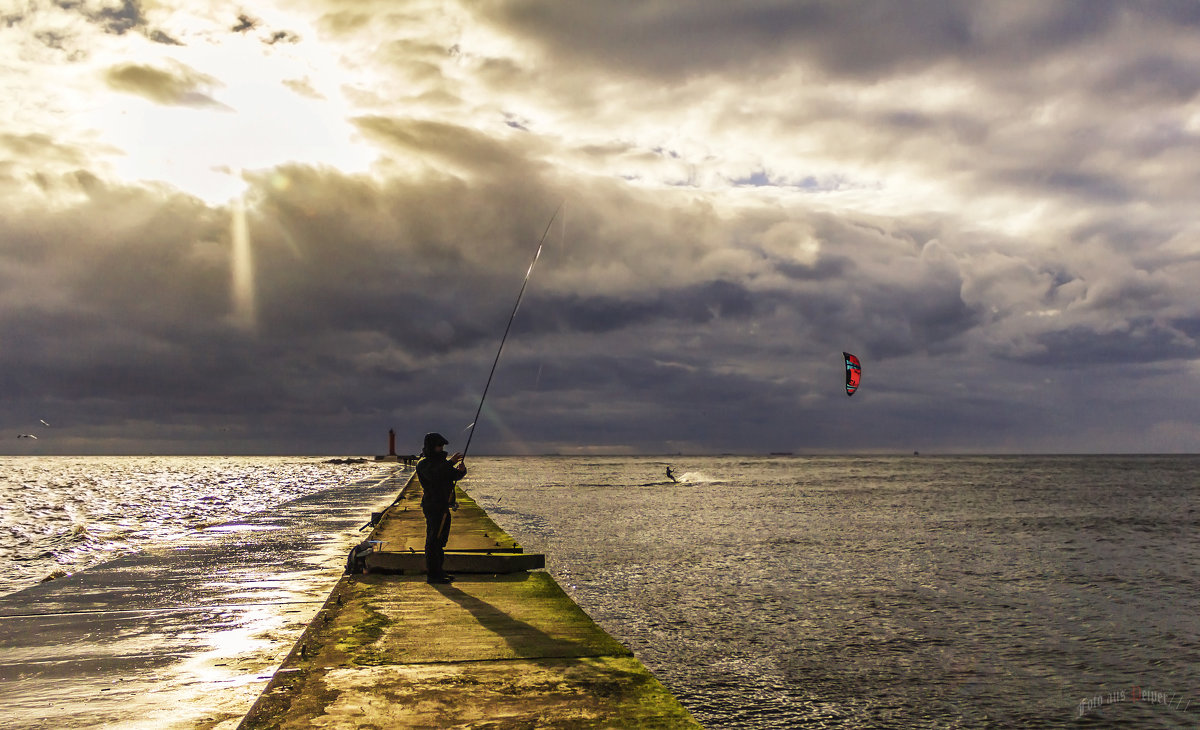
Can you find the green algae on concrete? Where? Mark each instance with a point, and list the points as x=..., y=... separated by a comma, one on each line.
x=591, y=692
x=510, y=651
x=488, y=651
x=503, y=617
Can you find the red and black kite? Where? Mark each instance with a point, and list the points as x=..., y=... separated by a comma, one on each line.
x=853, y=373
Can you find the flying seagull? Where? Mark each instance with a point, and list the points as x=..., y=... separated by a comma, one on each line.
x=26, y=436
x=44, y=423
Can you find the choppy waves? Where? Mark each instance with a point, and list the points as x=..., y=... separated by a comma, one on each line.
x=59, y=515
x=882, y=591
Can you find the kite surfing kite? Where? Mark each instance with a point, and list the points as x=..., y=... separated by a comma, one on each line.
x=853, y=373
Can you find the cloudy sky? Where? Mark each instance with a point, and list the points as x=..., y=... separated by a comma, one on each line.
x=286, y=226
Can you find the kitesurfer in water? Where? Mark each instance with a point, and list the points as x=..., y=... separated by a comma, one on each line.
x=671, y=475
x=438, y=474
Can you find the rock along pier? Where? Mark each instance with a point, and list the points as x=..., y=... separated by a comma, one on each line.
x=501, y=647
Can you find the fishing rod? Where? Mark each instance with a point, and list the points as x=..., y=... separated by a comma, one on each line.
x=511, y=317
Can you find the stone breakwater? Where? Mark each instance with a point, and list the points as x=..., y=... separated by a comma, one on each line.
x=501, y=647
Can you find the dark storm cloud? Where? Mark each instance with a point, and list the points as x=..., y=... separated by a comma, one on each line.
x=245, y=24
x=828, y=267
x=680, y=39
x=139, y=320
x=885, y=320
x=111, y=322
x=137, y=245
x=1072, y=183
x=858, y=38
x=52, y=39
x=159, y=36
x=1144, y=341
x=121, y=19
x=538, y=400
x=370, y=296
x=989, y=203
x=115, y=19
x=282, y=36
x=177, y=87
x=378, y=307
x=1154, y=77
x=695, y=305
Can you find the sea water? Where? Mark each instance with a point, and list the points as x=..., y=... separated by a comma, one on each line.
x=61, y=514
x=776, y=592
x=896, y=592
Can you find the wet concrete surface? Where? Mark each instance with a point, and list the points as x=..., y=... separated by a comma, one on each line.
x=501, y=651
x=505, y=652
x=186, y=635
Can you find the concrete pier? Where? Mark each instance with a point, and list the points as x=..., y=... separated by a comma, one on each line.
x=501, y=647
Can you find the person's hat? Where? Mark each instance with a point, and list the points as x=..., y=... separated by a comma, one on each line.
x=434, y=440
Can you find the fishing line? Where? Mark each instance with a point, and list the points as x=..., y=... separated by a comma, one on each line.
x=511, y=317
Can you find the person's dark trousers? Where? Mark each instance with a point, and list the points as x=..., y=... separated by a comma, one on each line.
x=437, y=532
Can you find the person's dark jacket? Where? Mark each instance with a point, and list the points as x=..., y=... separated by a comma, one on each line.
x=437, y=477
